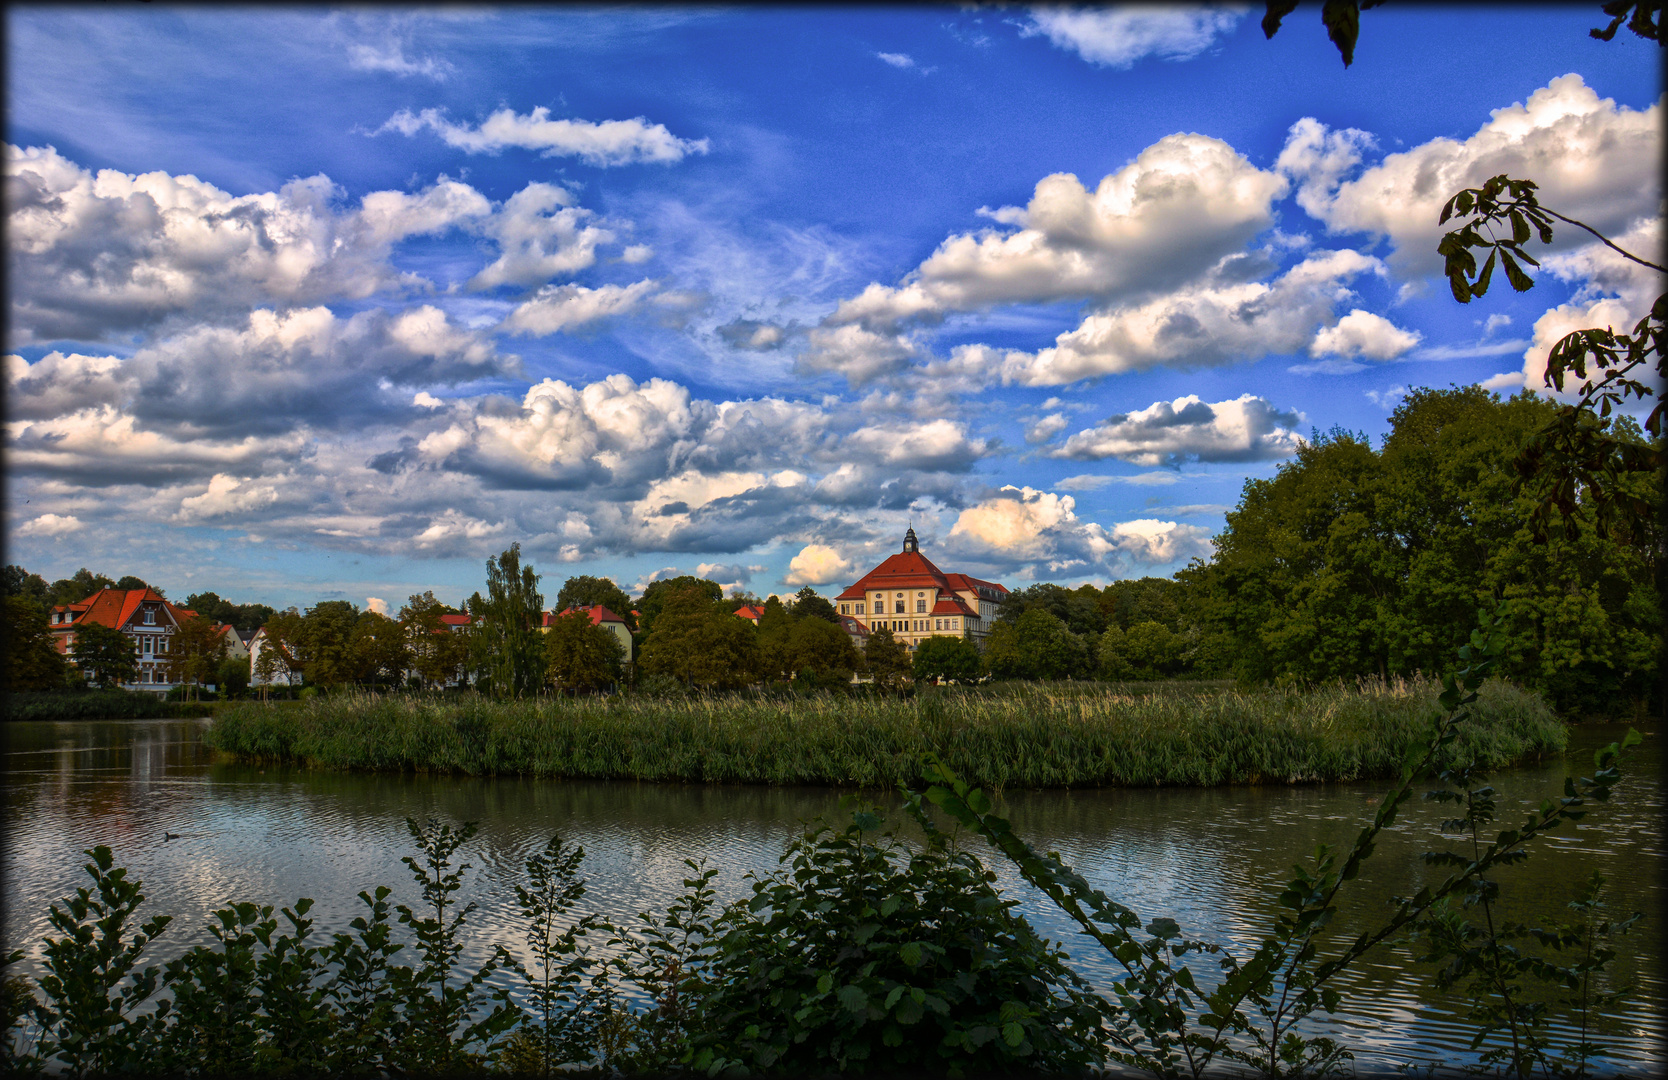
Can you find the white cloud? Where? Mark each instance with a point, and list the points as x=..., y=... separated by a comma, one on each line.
x=1185, y=202
x=897, y=60
x=610, y=142
x=817, y=564
x=1364, y=334
x=226, y=495
x=1154, y=543
x=1017, y=521
x=376, y=604
x=92, y=255
x=637, y=253
x=1207, y=323
x=936, y=444
x=541, y=234
x=1591, y=159
x=1117, y=37
x=453, y=526
x=568, y=307
x=390, y=57
x=1046, y=428
x=49, y=525
x=1247, y=428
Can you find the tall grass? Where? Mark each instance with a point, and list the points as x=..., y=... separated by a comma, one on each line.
x=1037, y=736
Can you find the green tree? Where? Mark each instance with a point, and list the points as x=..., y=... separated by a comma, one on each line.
x=16, y=581
x=1081, y=610
x=285, y=647
x=816, y=645
x=105, y=656
x=696, y=639
x=379, y=649
x=322, y=643
x=73, y=590
x=580, y=655
x=1036, y=645
x=244, y=617
x=195, y=651
x=436, y=652
x=947, y=658
x=128, y=581
x=1147, y=650
x=584, y=590
x=654, y=597
x=808, y=604
x=31, y=660
x=232, y=676
x=885, y=658
x=506, y=647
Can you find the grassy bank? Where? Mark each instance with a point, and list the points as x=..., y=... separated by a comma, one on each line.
x=1032, y=736
x=99, y=705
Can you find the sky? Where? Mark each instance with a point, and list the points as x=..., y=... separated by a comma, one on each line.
x=310, y=304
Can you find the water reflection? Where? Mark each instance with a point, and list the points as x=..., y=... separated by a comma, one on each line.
x=1205, y=858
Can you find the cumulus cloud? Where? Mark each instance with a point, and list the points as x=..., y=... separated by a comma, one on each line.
x=1046, y=428
x=935, y=445
x=1117, y=37
x=1154, y=543
x=556, y=308
x=376, y=604
x=1212, y=322
x=1017, y=521
x=541, y=234
x=1363, y=334
x=91, y=255
x=610, y=142
x=1592, y=159
x=49, y=525
x=1247, y=428
x=817, y=564
x=226, y=495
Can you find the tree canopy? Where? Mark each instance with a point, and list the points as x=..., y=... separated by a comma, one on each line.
x=584, y=590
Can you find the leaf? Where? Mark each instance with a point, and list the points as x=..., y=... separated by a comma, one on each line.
x=1520, y=281
x=1343, y=26
x=854, y=998
x=1279, y=9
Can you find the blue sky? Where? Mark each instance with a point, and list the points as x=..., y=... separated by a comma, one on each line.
x=312, y=304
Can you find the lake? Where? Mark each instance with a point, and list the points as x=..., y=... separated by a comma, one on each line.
x=1205, y=857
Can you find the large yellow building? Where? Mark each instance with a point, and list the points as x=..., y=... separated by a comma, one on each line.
x=916, y=600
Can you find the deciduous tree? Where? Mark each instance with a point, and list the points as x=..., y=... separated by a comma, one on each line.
x=580, y=655
x=31, y=660
x=584, y=590
x=105, y=656
x=940, y=658
x=506, y=648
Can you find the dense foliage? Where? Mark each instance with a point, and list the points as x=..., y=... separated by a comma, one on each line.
x=1352, y=561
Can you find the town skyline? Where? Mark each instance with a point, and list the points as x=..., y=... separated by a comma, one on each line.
x=334, y=306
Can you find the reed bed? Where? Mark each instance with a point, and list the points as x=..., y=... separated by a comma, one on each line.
x=1036, y=736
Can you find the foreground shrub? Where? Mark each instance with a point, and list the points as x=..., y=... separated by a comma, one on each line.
x=870, y=955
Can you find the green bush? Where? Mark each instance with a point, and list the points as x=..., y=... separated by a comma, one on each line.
x=869, y=955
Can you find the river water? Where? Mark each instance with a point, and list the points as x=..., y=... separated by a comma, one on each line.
x=1205, y=857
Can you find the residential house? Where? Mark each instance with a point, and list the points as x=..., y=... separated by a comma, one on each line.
x=144, y=615
x=600, y=616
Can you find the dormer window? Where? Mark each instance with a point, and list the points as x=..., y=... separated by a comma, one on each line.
x=150, y=617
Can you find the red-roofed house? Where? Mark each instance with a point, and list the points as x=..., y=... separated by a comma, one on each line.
x=600, y=616
x=141, y=614
x=751, y=612
x=916, y=600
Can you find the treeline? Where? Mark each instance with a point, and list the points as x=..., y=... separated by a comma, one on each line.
x=1354, y=562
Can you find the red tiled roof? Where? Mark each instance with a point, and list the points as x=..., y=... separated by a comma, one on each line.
x=853, y=627
x=115, y=607
x=750, y=612
x=964, y=583
x=455, y=620
x=953, y=605
x=904, y=570
x=597, y=612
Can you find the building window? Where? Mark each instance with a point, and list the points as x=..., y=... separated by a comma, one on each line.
x=150, y=617
x=147, y=675
x=860, y=607
x=920, y=606
x=955, y=624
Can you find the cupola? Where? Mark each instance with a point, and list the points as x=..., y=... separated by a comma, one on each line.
x=910, y=543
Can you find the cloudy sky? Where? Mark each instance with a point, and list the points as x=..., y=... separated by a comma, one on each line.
x=310, y=304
